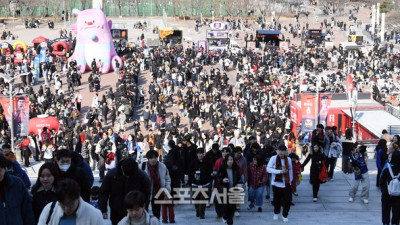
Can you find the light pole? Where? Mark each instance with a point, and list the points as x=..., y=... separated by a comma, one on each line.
x=318, y=83
x=10, y=80
x=352, y=95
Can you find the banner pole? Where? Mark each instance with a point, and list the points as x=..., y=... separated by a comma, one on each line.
x=10, y=84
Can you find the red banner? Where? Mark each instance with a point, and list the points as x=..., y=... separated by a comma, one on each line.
x=323, y=108
x=20, y=113
x=350, y=85
x=295, y=114
x=36, y=124
x=307, y=112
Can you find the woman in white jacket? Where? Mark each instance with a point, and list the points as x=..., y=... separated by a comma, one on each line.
x=70, y=207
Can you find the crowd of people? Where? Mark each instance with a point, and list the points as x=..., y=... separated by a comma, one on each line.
x=238, y=141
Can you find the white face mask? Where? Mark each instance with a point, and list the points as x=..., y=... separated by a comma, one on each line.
x=130, y=138
x=64, y=168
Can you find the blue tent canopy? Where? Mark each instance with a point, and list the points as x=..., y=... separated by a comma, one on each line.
x=270, y=32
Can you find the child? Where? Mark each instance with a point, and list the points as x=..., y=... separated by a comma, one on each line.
x=357, y=159
x=135, y=203
x=296, y=172
x=94, y=196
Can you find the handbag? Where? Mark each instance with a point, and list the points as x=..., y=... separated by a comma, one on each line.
x=323, y=173
x=141, y=119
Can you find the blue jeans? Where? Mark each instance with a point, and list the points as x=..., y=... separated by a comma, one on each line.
x=256, y=195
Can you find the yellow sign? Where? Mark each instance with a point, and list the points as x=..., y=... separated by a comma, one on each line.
x=165, y=33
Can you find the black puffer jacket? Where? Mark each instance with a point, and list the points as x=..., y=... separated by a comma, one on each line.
x=79, y=175
x=115, y=186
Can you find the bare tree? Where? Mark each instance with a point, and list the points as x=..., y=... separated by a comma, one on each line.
x=6, y=6
x=47, y=4
x=31, y=6
x=175, y=4
x=83, y=3
x=119, y=4
x=198, y=7
x=55, y=8
x=229, y=6
x=137, y=7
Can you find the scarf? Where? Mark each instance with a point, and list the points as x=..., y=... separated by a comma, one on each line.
x=321, y=136
x=279, y=177
x=154, y=178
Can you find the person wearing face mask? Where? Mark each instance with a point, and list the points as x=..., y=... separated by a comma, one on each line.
x=43, y=192
x=117, y=183
x=68, y=169
x=69, y=208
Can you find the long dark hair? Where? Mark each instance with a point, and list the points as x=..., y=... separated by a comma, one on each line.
x=53, y=170
x=381, y=145
x=398, y=139
x=225, y=165
x=348, y=134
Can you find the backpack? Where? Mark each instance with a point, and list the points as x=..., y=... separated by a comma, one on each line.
x=394, y=184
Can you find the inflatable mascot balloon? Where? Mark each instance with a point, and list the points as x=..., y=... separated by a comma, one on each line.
x=93, y=40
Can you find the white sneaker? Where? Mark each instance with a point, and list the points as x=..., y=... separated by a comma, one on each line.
x=351, y=199
x=285, y=219
x=276, y=216
x=315, y=199
x=365, y=201
x=237, y=214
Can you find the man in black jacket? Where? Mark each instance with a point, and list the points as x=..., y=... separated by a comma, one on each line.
x=213, y=155
x=117, y=183
x=200, y=177
x=173, y=161
x=68, y=169
x=188, y=155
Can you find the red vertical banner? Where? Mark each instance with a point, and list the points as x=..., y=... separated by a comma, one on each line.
x=323, y=108
x=295, y=115
x=20, y=113
x=21, y=116
x=307, y=112
x=5, y=103
x=350, y=85
x=332, y=119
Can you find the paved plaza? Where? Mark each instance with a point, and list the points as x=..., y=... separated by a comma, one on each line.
x=332, y=207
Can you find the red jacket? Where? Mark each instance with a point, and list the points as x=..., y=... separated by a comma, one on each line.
x=257, y=176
